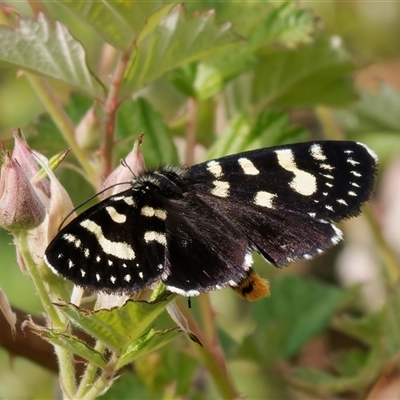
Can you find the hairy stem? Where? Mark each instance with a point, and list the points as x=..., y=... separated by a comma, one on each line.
x=89, y=375
x=65, y=360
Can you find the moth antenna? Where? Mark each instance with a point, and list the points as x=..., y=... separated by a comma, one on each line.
x=125, y=164
x=87, y=200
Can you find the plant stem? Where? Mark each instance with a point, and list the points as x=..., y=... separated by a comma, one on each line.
x=66, y=366
x=390, y=263
x=63, y=122
x=191, y=131
x=213, y=358
x=110, y=108
x=103, y=381
x=328, y=123
x=89, y=374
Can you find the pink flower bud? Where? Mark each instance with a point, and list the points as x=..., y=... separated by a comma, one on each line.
x=20, y=206
x=58, y=206
x=25, y=157
x=132, y=165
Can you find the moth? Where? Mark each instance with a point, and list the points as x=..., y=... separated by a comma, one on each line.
x=195, y=228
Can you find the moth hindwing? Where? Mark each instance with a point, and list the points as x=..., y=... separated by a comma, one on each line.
x=195, y=229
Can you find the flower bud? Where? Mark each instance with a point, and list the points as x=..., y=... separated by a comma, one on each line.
x=132, y=165
x=57, y=206
x=25, y=157
x=20, y=206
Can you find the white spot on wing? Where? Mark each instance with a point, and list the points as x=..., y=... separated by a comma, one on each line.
x=215, y=168
x=352, y=162
x=113, y=279
x=98, y=277
x=303, y=182
x=118, y=249
x=327, y=166
x=154, y=212
x=339, y=235
x=72, y=239
x=189, y=293
x=248, y=167
x=221, y=189
x=70, y=264
x=264, y=199
x=317, y=153
x=152, y=236
x=83, y=273
x=69, y=238
x=129, y=200
x=115, y=215
x=248, y=261
x=127, y=278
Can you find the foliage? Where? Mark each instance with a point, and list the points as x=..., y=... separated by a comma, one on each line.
x=201, y=80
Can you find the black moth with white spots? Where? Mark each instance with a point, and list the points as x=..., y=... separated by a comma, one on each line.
x=195, y=229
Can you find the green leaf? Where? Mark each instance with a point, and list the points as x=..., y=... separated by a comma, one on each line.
x=367, y=329
x=149, y=342
x=37, y=47
x=173, y=41
x=299, y=308
x=118, y=22
x=350, y=361
x=125, y=386
x=375, y=120
x=262, y=25
x=137, y=116
x=380, y=332
x=314, y=74
x=270, y=128
x=374, y=112
x=318, y=381
x=380, y=329
x=119, y=327
x=74, y=345
x=264, y=22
